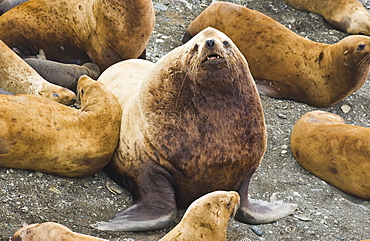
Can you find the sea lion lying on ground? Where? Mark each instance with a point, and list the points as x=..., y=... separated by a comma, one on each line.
x=65, y=75
x=334, y=151
x=286, y=65
x=75, y=32
x=39, y=134
x=349, y=16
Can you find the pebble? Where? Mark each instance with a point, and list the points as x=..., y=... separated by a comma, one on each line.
x=345, y=108
x=257, y=230
x=282, y=116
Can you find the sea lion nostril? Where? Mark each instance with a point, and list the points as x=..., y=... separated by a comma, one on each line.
x=210, y=43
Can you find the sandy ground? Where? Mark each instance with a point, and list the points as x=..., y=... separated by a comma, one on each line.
x=324, y=212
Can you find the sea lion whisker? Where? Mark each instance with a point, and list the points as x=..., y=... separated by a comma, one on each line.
x=363, y=60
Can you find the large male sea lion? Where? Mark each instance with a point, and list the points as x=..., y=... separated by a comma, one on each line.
x=191, y=124
x=98, y=31
x=285, y=64
x=334, y=151
x=17, y=77
x=39, y=134
x=349, y=16
x=65, y=75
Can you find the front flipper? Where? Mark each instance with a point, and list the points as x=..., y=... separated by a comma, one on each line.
x=154, y=203
x=273, y=89
x=257, y=211
x=139, y=217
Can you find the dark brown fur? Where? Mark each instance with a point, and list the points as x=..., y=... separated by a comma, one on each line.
x=195, y=117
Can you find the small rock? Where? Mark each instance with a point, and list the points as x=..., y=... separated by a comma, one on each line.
x=54, y=190
x=345, y=108
x=257, y=230
x=39, y=174
x=303, y=218
x=160, y=7
x=282, y=116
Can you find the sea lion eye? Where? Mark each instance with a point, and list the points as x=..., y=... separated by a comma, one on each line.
x=82, y=91
x=226, y=44
x=361, y=47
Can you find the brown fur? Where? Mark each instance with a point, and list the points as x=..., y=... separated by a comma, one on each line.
x=39, y=134
x=285, y=64
x=337, y=153
x=346, y=15
x=103, y=32
x=18, y=77
x=187, y=121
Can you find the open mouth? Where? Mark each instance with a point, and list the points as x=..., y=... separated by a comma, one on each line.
x=212, y=57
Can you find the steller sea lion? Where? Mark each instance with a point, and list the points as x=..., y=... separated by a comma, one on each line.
x=65, y=75
x=206, y=218
x=286, y=65
x=191, y=118
x=349, y=16
x=17, y=77
x=76, y=32
x=336, y=152
x=39, y=134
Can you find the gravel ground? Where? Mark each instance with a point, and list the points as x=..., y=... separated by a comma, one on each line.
x=324, y=212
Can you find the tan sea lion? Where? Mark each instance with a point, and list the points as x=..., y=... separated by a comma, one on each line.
x=286, y=65
x=39, y=134
x=193, y=117
x=18, y=77
x=98, y=31
x=336, y=152
x=206, y=218
x=65, y=75
x=349, y=16
x=50, y=231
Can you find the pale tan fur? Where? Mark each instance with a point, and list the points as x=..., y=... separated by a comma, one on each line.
x=39, y=134
x=334, y=151
x=206, y=219
x=347, y=15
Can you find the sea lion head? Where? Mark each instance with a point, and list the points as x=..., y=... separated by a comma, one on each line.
x=213, y=209
x=212, y=56
x=354, y=53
